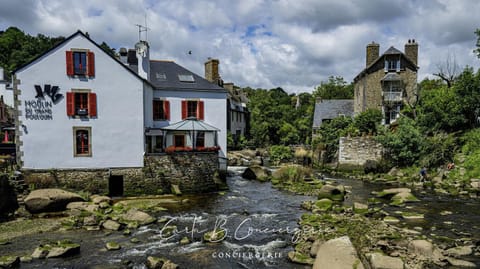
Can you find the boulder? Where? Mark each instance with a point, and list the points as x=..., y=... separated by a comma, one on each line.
x=83, y=206
x=215, y=236
x=9, y=262
x=425, y=249
x=337, y=253
x=154, y=262
x=335, y=193
x=50, y=200
x=112, y=246
x=98, y=199
x=403, y=197
x=323, y=205
x=461, y=263
x=111, y=225
x=315, y=246
x=135, y=215
x=380, y=261
x=256, y=172
x=60, y=249
x=8, y=197
x=459, y=251
x=300, y=258
x=359, y=208
x=388, y=193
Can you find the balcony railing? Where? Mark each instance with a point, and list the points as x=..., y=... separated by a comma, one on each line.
x=392, y=96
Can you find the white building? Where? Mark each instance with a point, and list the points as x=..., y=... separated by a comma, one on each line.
x=81, y=109
x=78, y=108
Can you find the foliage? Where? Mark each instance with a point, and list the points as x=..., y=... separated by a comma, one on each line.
x=440, y=110
x=335, y=88
x=438, y=150
x=279, y=153
x=470, y=141
x=293, y=173
x=288, y=134
x=329, y=135
x=477, y=50
x=230, y=141
x=403, y=144
x=276, y=118
x=18, y=48
x=367, y=121
x=471, y=164
x=467, y=89
x=108, y=49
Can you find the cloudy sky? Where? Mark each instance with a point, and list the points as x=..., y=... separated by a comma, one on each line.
x=293, y=44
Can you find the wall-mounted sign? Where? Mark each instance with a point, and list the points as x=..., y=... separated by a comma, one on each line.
x=39, y=108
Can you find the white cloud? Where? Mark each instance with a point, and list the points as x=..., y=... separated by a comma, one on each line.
x=294, y=44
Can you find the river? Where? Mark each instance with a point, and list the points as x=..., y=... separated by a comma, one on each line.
x=260, y=223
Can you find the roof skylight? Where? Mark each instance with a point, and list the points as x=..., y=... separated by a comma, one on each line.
x=186, y=78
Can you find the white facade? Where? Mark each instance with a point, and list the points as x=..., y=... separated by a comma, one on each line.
x=46, y=133
x=214, y=110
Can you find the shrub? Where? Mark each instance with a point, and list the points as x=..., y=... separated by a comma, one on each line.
x=366, y=122
x=403, y=145
x=280, y=154
x=438, y=150
x=470, y=141
x=294, y=173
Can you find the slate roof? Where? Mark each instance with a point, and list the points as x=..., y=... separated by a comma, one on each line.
x=330, y=109
x=392, y=50
x=164, y=75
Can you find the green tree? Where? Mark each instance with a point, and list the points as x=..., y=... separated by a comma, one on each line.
x=403, y=144
x=335, y=88
x=329, y=136
x=288, y=134
x=367, y=121
x=17, y=48
x=440, y=110
x=467, y=90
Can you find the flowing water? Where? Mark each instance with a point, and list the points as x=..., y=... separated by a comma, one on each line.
x=260, y=223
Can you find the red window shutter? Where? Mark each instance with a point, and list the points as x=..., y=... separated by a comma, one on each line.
x=200, y=112
x=184, y=109
x=69, y=63
x=70, y=104
x=91, y=64
x=92, y=104
x=166, y=109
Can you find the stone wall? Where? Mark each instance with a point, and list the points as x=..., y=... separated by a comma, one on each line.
x=357, y=150
x=192, y=172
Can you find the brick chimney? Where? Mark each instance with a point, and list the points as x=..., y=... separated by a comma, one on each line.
x=373, y=52
x=211, y=71
x=411, y=51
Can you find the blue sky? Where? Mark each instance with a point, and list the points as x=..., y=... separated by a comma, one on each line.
x=293, y=44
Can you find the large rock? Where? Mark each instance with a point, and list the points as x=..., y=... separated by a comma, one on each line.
x=135, y=215
x=111, y=225
x=49, y=200
x=9, y=262
x=8, y=198
x=459, y=251
x=160, y=263
x=388, y=193
x=380, y=261
x=335, y=193
x=61, y=249
x=256, y=172
x=403, y=197
x=337, y=253
x=425, y=249
x=461, y=263
x=83, y=206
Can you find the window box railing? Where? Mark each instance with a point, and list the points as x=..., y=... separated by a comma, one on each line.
x=392, y=96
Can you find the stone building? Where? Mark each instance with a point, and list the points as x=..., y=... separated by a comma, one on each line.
x=388, y=81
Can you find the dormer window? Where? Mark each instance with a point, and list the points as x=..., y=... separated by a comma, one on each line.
x=161, y=76
x=186, y=78
x=392, y=65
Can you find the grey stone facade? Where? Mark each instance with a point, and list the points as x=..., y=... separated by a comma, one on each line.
x=192, y=172
x=357, y=150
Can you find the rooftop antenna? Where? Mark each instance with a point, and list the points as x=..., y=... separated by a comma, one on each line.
x=142, y=28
